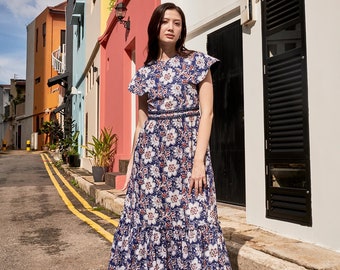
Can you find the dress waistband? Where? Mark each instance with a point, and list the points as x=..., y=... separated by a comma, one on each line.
x=173, y=113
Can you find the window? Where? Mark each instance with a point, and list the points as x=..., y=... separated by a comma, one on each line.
x=78, y=34
x=80, y=31
x=77, y=19
x=86, y=132
x=284, y=41
x=288, y=187
x=44, y=34
x=62, y=40
x=37, y=127
x=93, y=70
x=36, y=39
x=87, y=83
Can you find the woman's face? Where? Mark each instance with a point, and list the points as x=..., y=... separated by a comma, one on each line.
x=171, y=27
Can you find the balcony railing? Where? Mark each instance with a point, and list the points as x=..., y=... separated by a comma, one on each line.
x=59, y=59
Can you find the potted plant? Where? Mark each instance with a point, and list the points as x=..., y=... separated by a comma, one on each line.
x=102, y=150
x=63, y=145
x=72, y=151
x=53, y=133
x=46, y=129
x=65, y=139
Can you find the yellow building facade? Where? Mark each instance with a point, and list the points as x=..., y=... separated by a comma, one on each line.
x=49, y=38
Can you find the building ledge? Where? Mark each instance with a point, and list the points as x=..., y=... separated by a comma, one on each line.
x=60, y=79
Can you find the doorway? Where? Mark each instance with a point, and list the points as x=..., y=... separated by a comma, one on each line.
x=227, y=137
x=19, y=137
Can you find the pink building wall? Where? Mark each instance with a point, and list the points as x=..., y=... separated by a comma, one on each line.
x=118, y=45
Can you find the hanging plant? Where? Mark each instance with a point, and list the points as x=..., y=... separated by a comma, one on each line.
x=112, y=4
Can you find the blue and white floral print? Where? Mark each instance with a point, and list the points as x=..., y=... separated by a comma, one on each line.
x=162, y=226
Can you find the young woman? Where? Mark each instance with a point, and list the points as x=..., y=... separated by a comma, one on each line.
x=170, y=218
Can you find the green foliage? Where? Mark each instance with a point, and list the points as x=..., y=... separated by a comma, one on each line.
x=98, y=208
x=58, y=163
x=53, y=146
x=19, y=99
x=68, y=144
x=74, y=183
x=103, y=149
x=112, y=4
x=73, y=144
x=53, y=131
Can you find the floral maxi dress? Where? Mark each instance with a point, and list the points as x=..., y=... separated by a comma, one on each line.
x=162, y=227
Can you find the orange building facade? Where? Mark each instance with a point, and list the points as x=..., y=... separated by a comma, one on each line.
x=49, y=36
x=123, y=52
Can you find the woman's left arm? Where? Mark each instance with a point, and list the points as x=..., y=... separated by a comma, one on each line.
x=206, y=96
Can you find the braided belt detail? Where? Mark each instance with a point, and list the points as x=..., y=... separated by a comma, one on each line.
x=174, y=113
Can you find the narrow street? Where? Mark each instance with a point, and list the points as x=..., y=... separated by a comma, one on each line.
x=38, y=229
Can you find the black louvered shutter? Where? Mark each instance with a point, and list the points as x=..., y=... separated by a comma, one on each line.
x=286, y=111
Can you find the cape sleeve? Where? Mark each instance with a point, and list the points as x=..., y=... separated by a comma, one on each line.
x=199, y=66
x=138, y=84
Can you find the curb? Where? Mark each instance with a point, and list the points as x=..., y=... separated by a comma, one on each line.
x=249, y=247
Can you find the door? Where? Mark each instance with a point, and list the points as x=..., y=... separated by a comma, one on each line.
x=19, y=137
x=227, y=138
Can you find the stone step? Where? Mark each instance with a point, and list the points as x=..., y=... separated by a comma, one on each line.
x=115, y=179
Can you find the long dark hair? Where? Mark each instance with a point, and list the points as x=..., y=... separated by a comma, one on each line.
x=154, y=29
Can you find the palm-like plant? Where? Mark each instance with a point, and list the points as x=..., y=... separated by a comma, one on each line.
x=103, y=149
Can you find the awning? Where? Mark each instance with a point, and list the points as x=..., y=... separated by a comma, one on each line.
x=59, y=109
x=60, y=79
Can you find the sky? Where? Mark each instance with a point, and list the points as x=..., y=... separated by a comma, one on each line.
x=15, y=15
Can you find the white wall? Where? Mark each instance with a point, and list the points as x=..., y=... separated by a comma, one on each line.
x=203, y=18
x=254, y=138
x=27, y=124
x=323, y=58
x=95, y=15
x=2, y=112
x=254, y=122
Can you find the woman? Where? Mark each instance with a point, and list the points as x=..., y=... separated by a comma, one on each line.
x=169, y=219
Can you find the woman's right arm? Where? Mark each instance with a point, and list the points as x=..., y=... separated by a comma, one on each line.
x=142, y=117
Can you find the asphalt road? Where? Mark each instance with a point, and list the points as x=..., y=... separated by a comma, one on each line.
x=37, y=229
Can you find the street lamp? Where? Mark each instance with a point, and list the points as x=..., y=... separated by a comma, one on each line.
x=120, y=14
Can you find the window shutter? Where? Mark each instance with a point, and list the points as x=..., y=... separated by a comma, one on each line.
x=281, y=13
x=285, y=106
x=286, y=112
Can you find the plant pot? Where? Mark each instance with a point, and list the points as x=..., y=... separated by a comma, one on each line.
x=64, y=158
x=99, y=173
x=73, y=160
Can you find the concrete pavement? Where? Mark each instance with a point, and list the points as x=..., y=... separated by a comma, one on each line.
x=250, y=247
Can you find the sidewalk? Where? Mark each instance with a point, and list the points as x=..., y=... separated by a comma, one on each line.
x=250, y=247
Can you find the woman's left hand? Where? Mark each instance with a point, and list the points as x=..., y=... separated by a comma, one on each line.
x=198, y=179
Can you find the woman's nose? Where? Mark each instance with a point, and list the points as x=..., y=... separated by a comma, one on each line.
x=171, y=26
